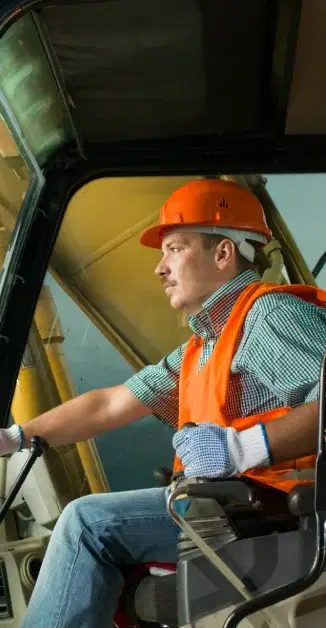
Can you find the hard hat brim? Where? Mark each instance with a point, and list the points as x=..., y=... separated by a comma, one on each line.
x=152, y=237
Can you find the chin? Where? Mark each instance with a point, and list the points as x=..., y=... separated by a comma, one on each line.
x=176, y=304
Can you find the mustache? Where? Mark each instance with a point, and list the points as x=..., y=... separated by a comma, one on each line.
x=167, y=284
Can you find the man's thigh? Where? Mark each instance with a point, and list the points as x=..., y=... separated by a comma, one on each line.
x=128, y=527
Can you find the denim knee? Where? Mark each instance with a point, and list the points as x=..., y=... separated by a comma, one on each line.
x=73, y=517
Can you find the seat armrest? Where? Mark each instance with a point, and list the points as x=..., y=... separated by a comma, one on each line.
x=301, y=500
x=226, y=492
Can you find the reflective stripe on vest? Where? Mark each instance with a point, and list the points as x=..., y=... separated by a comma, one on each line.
x=203, y=393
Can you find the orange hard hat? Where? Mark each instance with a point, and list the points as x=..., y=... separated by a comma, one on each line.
x=210, y=203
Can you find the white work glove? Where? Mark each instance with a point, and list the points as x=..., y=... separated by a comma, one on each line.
x=211, y=451
x=10, y=440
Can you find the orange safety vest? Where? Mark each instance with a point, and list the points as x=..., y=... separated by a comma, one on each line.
x=203, y=393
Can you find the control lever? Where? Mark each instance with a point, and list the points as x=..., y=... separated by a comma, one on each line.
x=162, y=476
x=37, y=449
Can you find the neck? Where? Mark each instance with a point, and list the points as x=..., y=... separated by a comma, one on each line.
x=196, y=307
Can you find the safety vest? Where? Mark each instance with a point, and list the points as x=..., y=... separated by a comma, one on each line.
x=203, y=394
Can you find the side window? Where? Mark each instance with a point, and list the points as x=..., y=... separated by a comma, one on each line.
x=15, y=179
x=300, y=200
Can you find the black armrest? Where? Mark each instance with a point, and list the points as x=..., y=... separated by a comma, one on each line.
x=301, y=500
x=227, y=492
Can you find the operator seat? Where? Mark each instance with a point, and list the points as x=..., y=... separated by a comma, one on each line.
x=266, y=544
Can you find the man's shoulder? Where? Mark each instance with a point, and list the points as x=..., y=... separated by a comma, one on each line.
x=282, y=300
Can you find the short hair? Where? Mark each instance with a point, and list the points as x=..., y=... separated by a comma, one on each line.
x=211, y=240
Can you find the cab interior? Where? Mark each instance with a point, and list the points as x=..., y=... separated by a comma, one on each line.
x=106, y=107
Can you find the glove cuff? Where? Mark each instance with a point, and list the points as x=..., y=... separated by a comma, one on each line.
x=249, y=449
x=11, y=440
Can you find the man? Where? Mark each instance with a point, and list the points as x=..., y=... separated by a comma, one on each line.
x=248, y=377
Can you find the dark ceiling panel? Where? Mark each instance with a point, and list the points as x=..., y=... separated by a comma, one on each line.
x=159, y=68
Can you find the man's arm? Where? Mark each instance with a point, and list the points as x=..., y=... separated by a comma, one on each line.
x=285, y=351
x=86, y=416
x=295, y=434
x=154, y=390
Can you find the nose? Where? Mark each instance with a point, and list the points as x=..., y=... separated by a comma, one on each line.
x=162, y=268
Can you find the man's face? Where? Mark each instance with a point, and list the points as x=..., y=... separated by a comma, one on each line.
x=189, y=272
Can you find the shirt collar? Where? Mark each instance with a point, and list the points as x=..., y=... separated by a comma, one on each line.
x=209, y=322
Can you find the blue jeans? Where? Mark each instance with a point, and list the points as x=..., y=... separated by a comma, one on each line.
x=80, y=580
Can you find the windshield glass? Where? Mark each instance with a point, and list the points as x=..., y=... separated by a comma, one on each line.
x=15, y=178
x=28, y=83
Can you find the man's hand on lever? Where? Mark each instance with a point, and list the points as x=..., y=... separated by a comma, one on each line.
x=77, y=420
x=213, y=451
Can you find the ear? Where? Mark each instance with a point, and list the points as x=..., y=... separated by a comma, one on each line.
x=225, y=254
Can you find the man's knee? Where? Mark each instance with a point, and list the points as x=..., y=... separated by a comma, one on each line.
x=74, y=516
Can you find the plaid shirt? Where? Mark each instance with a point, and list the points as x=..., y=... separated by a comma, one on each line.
x=277, y=362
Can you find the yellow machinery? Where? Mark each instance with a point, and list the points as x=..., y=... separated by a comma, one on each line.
x=43, y=379
x=44, y=383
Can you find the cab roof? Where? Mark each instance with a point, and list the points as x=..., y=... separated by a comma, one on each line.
x=214, y=72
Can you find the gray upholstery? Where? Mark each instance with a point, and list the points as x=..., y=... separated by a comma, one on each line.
x=262, y=562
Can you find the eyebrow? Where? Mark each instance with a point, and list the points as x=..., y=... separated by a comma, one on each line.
x=176, y=239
